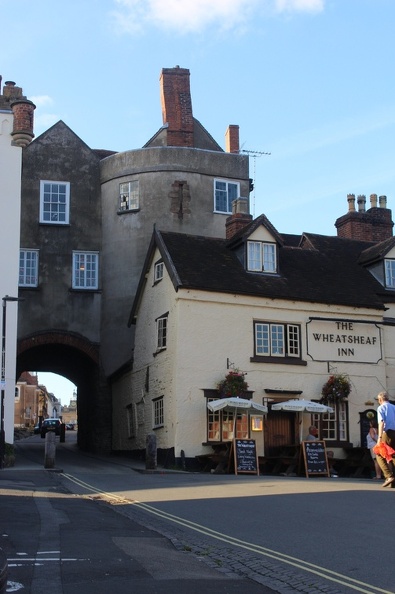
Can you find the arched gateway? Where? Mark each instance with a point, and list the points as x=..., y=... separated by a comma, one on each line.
x=77, y=359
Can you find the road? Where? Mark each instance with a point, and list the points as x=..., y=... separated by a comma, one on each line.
x=300, y=533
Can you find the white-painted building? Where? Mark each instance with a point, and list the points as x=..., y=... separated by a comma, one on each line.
x=16, y=131
x=289, y=311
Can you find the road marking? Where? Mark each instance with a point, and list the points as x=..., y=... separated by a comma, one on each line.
x=318, y=570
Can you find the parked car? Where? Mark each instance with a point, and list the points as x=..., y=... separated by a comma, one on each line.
x=70, y=426
x=37, y=429
x=50, y=425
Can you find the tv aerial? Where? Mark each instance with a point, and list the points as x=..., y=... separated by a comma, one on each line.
x=254, y=155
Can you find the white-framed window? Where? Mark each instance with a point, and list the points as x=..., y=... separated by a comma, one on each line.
x=158, y=412
x=277, y=340
x=224, y=194
x=85, y=270
x=389, y=273
x=54, y=202
x=223, y=426
x=129, y=196
x=333, y=426
x=261, y=256
x=161, y=333
x=28, y=268
x=17, y=394
x=158, y=271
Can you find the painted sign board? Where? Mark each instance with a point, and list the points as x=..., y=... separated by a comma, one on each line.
x=343, y=340
x=315, y=458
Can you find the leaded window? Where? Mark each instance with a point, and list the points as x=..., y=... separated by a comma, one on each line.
x=225, y=192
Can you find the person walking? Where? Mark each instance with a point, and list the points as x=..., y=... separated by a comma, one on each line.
x=371, y=440
x=386, y=435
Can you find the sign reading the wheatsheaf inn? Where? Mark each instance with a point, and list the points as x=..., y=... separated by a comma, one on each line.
x=340, y=340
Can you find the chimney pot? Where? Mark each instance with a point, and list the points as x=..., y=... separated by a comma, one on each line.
x=373, y=200
x=240, y=206
x=383, y=201
x=351, y=202
x=361, y=201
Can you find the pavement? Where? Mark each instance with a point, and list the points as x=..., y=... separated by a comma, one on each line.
x=57, y=541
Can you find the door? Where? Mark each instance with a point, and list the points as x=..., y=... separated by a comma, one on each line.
x=280, y=430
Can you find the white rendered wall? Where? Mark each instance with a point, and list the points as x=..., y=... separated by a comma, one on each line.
x=10, y=204
x=204, y=331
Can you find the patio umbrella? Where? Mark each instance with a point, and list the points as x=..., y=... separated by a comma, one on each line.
x=302, y=406
x=233, y=403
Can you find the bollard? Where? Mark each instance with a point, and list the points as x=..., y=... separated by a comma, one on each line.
x=183, y=464
x=150, y=452
x=50, y=450
x=62, y=433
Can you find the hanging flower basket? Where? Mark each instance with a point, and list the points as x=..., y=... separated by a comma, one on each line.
x=234, y=384
x=337, y=388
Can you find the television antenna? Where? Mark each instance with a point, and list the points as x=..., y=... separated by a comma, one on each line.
x=254, y=155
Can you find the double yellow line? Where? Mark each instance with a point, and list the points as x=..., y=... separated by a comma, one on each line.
x=317, y=570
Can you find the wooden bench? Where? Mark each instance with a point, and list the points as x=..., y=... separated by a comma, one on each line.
x=217, y=460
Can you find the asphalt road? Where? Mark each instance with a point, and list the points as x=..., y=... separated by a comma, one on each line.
x=287, y=534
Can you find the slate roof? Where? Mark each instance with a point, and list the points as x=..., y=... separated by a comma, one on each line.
x=326, y=271
x=377, y=251
x=311, y=268
x=249, y=228
x=202, y=138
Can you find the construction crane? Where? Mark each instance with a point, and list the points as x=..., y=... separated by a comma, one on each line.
x=254, y=155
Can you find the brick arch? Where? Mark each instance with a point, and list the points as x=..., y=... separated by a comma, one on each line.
x=67, y=339
x=72, y=356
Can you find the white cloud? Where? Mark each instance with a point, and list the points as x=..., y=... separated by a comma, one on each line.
x=186, y=16
x=41, y=100
x=299, y=5
x=44, y=121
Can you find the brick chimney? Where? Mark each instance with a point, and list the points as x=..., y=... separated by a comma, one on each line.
x=232, y=139
x=23, y=111
x=374, y=224
x=177, y=106
x=239, y=217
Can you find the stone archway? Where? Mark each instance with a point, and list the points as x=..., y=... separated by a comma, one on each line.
x=77, y=359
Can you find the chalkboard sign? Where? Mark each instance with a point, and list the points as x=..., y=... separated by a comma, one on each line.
x=315, y=458
x=245, y=456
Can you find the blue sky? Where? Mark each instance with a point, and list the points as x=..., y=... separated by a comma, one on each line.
x=310, y=81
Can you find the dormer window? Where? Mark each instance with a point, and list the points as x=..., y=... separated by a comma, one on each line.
x=261, y=256
x=390, y=273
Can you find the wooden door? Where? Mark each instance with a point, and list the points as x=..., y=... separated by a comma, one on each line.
x=280, y=430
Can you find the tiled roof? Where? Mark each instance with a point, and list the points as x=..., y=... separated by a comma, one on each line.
x=246, y=231
x=325, y=269
x=376, y=251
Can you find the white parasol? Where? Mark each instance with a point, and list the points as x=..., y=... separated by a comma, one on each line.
x=233, y=403
x=302, y=406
